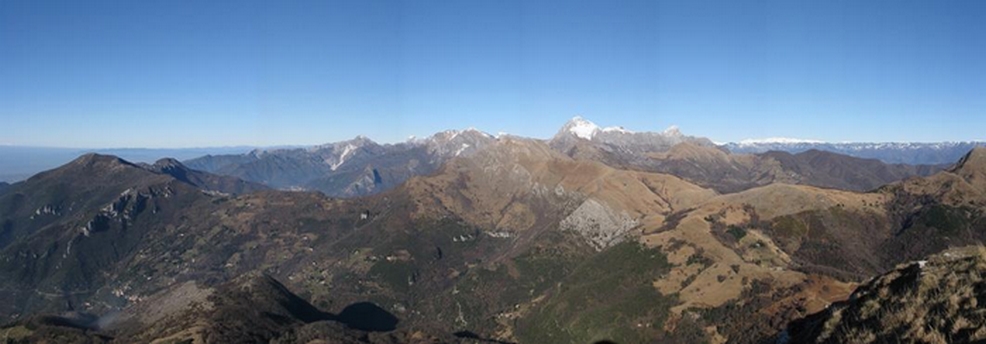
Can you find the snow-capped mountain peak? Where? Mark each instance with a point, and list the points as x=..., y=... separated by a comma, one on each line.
x=672, y=131
x=618, y=139
x=585, y=129
x=582, y=128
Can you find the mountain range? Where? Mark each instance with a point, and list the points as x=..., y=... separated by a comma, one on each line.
x=934, y=153
x=18, y=163
x=595, y=235
x=362, y=167
x=350, y=168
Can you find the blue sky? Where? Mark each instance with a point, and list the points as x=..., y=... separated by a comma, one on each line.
x=211, y=73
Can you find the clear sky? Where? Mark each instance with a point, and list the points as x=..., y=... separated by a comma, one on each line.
x=213, y=73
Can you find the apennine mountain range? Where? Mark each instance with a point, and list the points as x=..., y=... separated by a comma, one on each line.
x=17, y=162
x=362, y=167
x=595, y=235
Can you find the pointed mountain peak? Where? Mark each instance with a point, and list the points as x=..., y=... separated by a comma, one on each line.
x=975, y=160
x=583, y=128
x=578, y=119
x=347, y=145
x=672, y=131
x=361, y=140
x=580, y=127
x=474, y=131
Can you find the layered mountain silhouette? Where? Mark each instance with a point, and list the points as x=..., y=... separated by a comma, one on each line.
x=703, y=163
x=599, y=234
x=362, y=167
x=349, y=168
x=914, y=153
x=206, y=181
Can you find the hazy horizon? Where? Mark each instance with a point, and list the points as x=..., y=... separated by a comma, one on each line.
x=414, y=137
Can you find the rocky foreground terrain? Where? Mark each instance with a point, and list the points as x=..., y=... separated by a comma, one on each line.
x=520, y=241
x=935, y=300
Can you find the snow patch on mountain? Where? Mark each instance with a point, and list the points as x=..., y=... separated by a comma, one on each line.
x=776, y=140
x=464, y=146
x=932, y=153
x=342, y=157
x=617, y=129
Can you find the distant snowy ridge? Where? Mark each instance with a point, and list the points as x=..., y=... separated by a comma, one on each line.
x=915, y=153
x=774, y=140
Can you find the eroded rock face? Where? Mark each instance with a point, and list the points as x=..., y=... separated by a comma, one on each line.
x=599, y=224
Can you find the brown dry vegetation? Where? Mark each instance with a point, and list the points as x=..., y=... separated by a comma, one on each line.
x=478, y=246
x=938, y=300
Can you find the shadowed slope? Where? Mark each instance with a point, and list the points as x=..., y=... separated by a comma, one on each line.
x=203, y=180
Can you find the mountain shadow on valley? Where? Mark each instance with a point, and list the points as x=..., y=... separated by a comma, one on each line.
x=476, y=337
x=366, y=316
x=250, y=309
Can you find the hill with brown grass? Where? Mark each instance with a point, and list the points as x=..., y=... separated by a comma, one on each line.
x=501, y=244
x=935, y=300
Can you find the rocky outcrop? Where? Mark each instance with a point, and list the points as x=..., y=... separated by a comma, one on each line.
x=937, y=300
x=599, y=224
